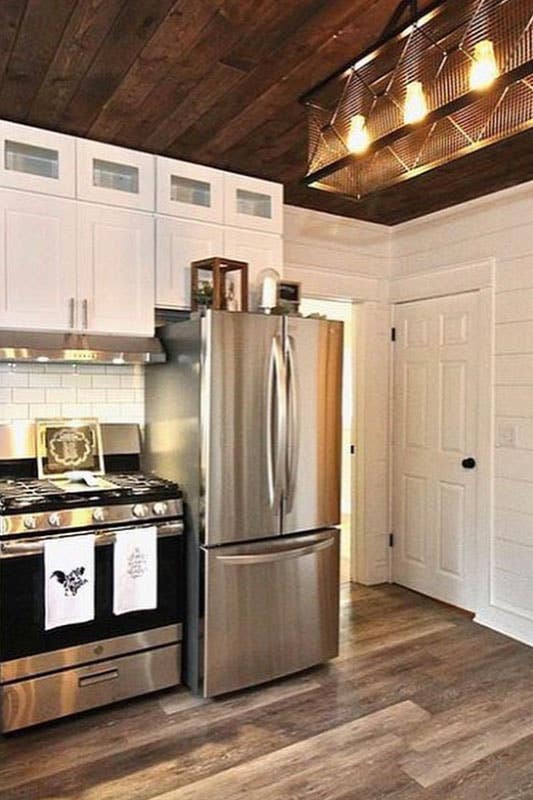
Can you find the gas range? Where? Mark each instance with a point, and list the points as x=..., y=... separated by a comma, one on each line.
x=31, y=505
x=48, y=672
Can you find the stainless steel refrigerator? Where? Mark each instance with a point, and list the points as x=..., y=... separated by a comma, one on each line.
x=246, y=416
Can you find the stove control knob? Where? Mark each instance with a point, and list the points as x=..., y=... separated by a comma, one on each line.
x=139, y=510
x=30, y=523
x=160, y=509
x=99, y=515
x=54, y=520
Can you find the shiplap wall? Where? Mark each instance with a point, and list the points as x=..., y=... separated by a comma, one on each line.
x=501, y=227
x=335, y=257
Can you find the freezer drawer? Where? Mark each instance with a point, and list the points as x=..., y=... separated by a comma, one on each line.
x=272, y=608
x=47, y=697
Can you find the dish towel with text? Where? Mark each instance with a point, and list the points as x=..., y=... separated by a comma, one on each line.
x=68, y=580
x=135, y=570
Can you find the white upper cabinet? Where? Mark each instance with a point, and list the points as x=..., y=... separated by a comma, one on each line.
x=37, y=261
x=189, y=190
x=115, y=175
x=259, y=250
x=178, y=242
x=115, y=270
x=37, y=160
x=253, y=203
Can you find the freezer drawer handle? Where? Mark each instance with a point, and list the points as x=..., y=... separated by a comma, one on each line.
x=98, y=677
x=283, y=555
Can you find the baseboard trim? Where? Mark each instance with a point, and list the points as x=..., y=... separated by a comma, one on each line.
x=506, y=623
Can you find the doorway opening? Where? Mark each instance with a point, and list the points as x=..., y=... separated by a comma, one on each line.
x=344, y=311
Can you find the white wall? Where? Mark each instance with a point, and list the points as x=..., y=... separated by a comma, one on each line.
x=498, y=227
x=113, y=394
x=335, y=257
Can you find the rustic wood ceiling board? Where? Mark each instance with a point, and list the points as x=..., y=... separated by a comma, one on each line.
x=277, y=146
x=38, y=37
x=319, y=46
x=177, y=34
x=132, y=28
x=261, y=36
x=84, y=34
x=11, y=13
x=190, y=66
x=216, y=82
x=220, y=80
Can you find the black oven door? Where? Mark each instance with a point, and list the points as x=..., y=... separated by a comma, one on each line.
x=22, y=627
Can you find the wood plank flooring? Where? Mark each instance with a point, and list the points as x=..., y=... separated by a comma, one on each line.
x=421, y=704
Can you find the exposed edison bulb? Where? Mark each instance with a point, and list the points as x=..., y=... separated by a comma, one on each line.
x=484, y=70
x=416, y=107
x=358, y=139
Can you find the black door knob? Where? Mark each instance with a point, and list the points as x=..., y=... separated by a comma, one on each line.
x=468, y=463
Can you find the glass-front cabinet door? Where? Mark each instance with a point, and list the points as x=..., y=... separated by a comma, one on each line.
x=115, y=175
x=189, y=190
x=253, y=203
x=37, y=160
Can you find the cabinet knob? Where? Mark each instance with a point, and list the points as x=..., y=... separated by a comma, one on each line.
x=468, y=463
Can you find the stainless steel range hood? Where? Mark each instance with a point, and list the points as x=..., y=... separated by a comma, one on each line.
x=73, y=348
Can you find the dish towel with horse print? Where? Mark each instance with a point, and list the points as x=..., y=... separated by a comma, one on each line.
x=135, y=570
x=68, y=580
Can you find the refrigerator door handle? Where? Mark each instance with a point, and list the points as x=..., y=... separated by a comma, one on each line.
x=269, y=408
x=293, y=424
x=276, y=399
x=281, y=555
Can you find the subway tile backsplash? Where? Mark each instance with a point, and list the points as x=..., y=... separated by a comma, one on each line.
x=30, y=391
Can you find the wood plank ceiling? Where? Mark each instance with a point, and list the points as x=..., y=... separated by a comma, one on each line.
x=215, y=82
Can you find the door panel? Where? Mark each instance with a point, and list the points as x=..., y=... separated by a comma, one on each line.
x=259, y=250
x=239, y=445
x=37, y=261
x=271, y=609
x=435, y=428
x=116, y=280
x=178, y=242
x=314, y=367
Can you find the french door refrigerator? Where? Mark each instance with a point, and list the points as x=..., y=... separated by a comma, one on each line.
x=246, y=416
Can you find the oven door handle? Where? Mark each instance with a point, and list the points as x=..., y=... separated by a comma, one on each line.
x=21, y=547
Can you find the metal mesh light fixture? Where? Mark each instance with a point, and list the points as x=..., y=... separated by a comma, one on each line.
x=453, y=79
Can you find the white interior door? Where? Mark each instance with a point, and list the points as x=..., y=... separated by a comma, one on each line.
x=435, y=430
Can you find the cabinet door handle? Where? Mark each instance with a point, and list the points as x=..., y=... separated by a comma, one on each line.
x=72, y=311
x=85, y=309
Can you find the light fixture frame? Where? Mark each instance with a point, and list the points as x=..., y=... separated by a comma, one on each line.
x=395, y=32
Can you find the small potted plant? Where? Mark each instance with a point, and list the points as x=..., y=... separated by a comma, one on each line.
x=204, y=294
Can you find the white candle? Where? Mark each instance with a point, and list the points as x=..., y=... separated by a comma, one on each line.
x=270, y=292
